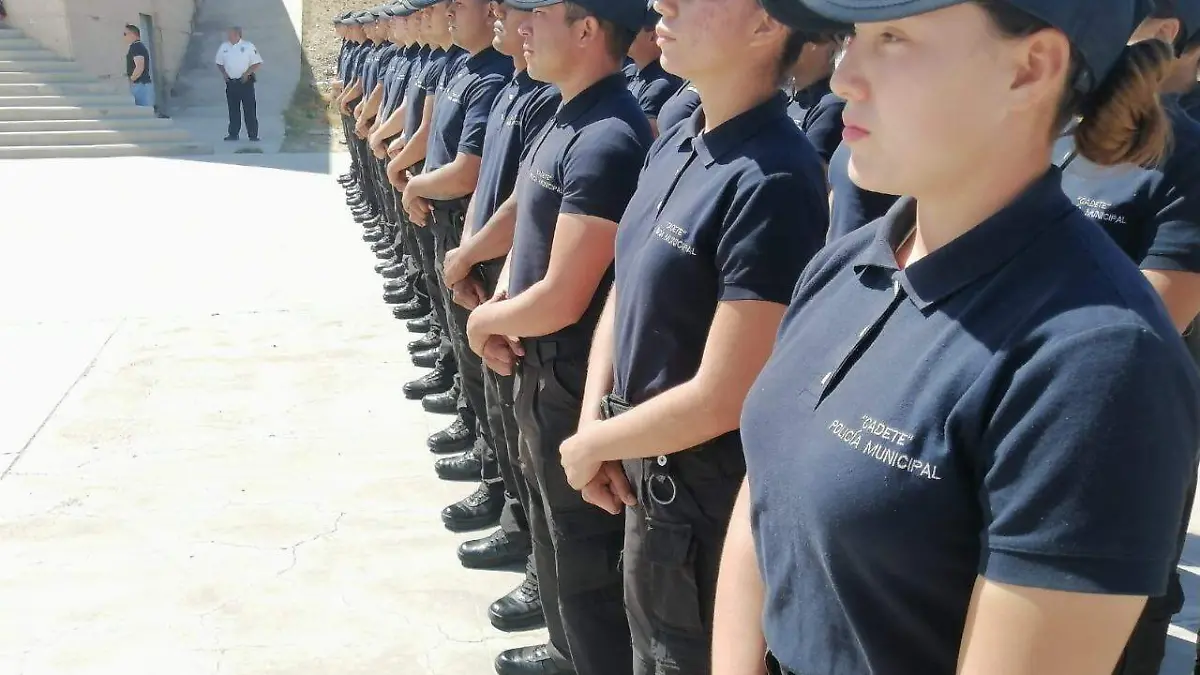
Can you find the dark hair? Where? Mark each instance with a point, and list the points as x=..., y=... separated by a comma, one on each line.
x=130, y=28
x=618, y=39
x=1122, y=119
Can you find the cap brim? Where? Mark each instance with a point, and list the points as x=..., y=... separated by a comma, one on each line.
x=867, y=11
x=531, y=4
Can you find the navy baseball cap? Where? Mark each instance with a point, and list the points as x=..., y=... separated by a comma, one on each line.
x=1097, y=29
x=422, y=4
x=652, y=17
x=630, y=14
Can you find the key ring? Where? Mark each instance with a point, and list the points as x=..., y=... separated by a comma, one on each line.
x=662, y=479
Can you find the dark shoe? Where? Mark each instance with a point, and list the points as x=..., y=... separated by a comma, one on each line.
x=520, y=610
x=495, y=550
x=465, y=467
x=426, y=359
x=388, y=255
x=529, y=661
x=454, y=438
x=413, y=308
x=399, y=296
x=433, y=383
x=394, y=272
x=384, y=264
x=231, y=138
x=478, y=510
x=420, y=324
x=428, y=341
x=384, y=246
x=397, y=282
x=373, y=235
x=254, y=139
x=444, y=403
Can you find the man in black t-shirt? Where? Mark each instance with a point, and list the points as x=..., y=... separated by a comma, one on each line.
x=137, y=67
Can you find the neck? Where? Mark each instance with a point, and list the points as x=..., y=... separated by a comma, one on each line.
x=587, y=73
x=519, y=62
x=477, y=47
x=971, y=198
x=445, y=42
x=805, y=80
x=726, y=96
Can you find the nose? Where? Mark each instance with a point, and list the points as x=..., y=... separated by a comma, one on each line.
x=666, y=7
x=849, y=81
x=525, y=28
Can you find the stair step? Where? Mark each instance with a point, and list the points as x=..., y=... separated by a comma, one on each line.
x=98, y=137
x=73, y=113
x=79, y=101
x=43, y=77
x=11, y=33
x=31, y=54
x=17, y=42
x=54, y=89
x=40, y=66
x=111, y=123
x=163, y=149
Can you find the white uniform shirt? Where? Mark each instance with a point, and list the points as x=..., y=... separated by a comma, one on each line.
x=237, y=58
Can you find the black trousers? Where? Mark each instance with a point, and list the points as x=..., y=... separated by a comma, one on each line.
x=498, y=393
x=673, y=542
x=576, y=546
x=240, y=97
x=447, y=234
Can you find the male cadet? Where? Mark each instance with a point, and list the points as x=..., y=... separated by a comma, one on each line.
x=339, y=83
x=650, y=84
x=365, y=114
x=408, y=162
x=571, y=191
x=389, y=123
x=521, y=111
x=438, y=198
x=364, y=203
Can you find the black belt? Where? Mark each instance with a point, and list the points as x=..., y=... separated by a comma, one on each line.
x=540, y=350
x=613, y=405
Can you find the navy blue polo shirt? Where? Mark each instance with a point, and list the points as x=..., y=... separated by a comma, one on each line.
x=1190, y=102
x=585, y=162
x=341, y=62
x=396, y=79
x=374, y=66
x=358, y=62
x=1016, y=405
x=1152, y=214
x=853, y=206
x=420, y=86
x=730, y=214
x=629, y=68
x=520, y=112
x=679, y=107
x=460, y=113
x=652, y=86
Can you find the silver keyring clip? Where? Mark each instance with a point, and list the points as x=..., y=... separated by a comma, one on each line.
x=662, y=479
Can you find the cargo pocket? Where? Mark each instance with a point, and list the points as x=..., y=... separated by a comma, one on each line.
x=675, y=605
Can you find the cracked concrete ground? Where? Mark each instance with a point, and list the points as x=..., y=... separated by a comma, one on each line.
x=207, y=464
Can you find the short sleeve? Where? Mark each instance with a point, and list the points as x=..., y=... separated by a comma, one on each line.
x=1086, y=463
x=773, y=229
x=221, y=56
x=475, y=115
x=255, y=57
x=600, y=171
x=1176, y=243
x=655, y=95
x=823, y=126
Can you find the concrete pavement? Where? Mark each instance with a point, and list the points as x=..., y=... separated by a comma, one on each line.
x=206, y=465
x=207, y=462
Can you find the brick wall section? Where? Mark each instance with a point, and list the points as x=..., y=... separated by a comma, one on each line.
x=89, y=31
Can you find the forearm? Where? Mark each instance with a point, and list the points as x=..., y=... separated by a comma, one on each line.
x=600, y=362
x=393, y=125
x=541, y=309
x=495, y=238
x=738, y=642
x=414, y=149
x=371, y=107
x=453, y=181
x=224, y=74
x=137, y=73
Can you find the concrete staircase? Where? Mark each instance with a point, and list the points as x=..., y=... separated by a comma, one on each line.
x=50, y=108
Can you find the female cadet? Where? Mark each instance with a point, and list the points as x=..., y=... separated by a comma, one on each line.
x=707, y=254
x=813, y=105
x=971, y=448
x=679, y=107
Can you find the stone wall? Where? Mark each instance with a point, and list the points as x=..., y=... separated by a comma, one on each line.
x=89, y=31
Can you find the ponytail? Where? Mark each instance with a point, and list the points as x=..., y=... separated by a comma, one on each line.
x=1123, y=121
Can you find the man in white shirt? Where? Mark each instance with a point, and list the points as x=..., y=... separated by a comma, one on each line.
x=238, y=61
